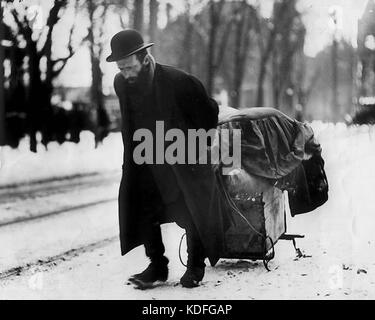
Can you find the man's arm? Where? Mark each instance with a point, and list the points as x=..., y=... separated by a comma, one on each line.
x=117, y=84
x=201, y=110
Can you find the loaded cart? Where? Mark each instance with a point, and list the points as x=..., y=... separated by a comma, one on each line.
x=280, y=159
x=259, y=221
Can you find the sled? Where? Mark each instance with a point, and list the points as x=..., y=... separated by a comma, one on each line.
x=257, y=205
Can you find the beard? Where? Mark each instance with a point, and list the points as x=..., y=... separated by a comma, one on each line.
x=138, y=84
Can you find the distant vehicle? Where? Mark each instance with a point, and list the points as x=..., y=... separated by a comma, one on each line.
x=365, y=111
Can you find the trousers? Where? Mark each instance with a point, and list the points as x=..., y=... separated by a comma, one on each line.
x=153, y=243
x=158, y=206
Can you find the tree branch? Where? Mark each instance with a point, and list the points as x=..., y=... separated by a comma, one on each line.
x=72, y=51
x=102, y=30
x=52, y=20
x=23, y=28
x=223, y=44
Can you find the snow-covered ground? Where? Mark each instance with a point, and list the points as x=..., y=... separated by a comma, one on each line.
x=18, y=166
x=74, y=253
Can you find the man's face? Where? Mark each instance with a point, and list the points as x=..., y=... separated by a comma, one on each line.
x=130, y=68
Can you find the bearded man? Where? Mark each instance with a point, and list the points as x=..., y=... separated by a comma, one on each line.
x=153, y=194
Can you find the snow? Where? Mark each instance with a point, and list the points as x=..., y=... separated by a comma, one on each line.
x=19, y=166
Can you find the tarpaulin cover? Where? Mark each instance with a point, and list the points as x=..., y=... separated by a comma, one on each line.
x=275, y=151
x=272, y=144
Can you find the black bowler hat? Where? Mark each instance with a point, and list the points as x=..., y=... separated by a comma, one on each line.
x=125, y=43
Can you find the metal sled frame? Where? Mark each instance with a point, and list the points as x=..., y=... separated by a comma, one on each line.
x=268, y=245
x=269, y=254
x=266, y=256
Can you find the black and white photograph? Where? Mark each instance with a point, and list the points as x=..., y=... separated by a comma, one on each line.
x=159, y=150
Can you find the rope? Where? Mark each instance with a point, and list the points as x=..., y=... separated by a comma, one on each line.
x=179, y=250
x=235, y=208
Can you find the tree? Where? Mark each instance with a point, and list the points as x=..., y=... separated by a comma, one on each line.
x=138, y=14
x=268, y=30
x=39, y=49
x=184, y=42
x=168, y=10
x=286, y=59
x=15, y=91
x=216, y=48
x=122, y=8
x=186, y=54
x=153, y=24
x=97, y=12
x=244, y=17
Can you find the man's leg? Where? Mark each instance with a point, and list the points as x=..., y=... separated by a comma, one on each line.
x=196, y=256
x=157, y=270
x=195, y=250
x=153, y=242
x=150, y=233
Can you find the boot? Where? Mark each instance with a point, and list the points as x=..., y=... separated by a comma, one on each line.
x=195, y=264
x=192, y=277
x=157, y=270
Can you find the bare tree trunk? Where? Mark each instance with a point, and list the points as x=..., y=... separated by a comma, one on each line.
x=138, y=15
x=211, y=48
x=186, y=56
x=235, y=94
x=95, y=40
x=243, y=19
x=216, y=51
x=2, y=95
x=263, y=67
x=275, y=80
x=35, y=94
x=154, y=10
x=96, y=72
x=261, y=78
x=335, y=76
x=168, y=10
x=364, y=76
x=279, y=18
x=153, y=26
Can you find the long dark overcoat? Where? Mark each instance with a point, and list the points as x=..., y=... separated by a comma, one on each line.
x=185, y=105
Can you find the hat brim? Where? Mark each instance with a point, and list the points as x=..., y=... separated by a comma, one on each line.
x=113, y=58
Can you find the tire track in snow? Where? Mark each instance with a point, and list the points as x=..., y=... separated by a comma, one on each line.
x=52, y=261
x=49, y=187
x=19, y=200
x=56, y=212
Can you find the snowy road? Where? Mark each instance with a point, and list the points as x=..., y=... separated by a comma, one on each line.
x=59, y=240
x=44, y=220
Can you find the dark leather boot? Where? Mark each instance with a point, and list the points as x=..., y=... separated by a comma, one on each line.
x=192, y=277
x=196, y=256
x=157, y=270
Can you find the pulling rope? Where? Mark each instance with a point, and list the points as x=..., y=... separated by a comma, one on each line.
x=238, y=211
x=179, y=250
x=234, y=206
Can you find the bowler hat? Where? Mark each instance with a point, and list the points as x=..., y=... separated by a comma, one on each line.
x=125, y=43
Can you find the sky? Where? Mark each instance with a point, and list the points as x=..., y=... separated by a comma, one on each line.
x=316, y=17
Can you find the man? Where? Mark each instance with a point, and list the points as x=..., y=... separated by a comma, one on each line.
x=152, y=194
